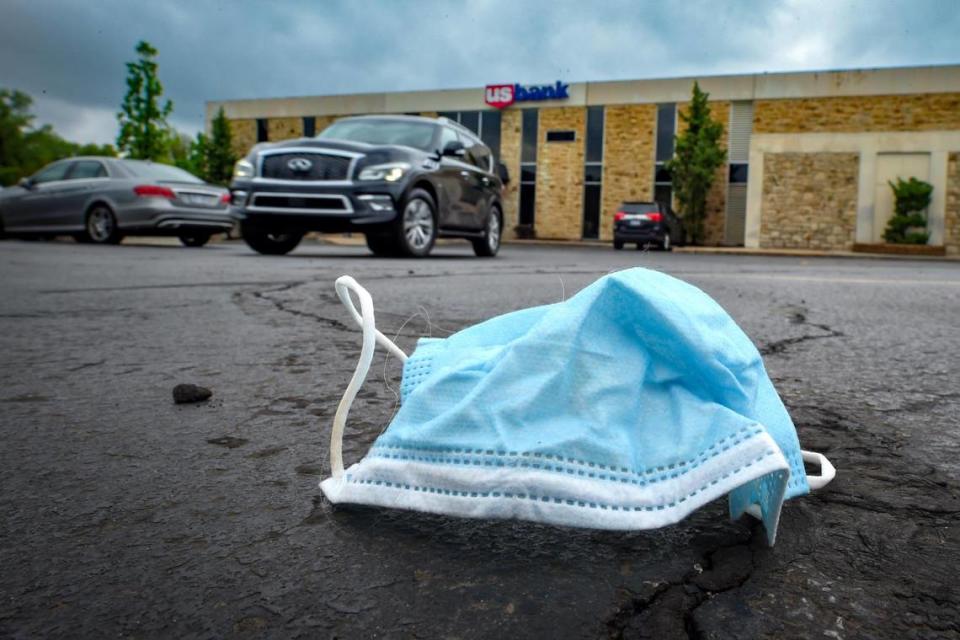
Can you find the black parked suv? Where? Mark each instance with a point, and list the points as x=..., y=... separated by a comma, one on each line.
x=403, y=181
x=647, y=223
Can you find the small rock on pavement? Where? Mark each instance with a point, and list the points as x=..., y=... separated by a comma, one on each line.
x=186, y=393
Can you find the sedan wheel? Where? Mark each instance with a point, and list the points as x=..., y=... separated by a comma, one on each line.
x=102, y=226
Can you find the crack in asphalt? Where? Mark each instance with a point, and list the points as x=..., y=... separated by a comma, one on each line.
x=798, y=315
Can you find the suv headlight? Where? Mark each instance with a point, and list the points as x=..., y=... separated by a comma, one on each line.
x=391, y=172
x=243, y=169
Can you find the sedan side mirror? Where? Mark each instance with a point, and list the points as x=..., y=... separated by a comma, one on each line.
x=26, y=183
x=503, y=173
x=454, y=148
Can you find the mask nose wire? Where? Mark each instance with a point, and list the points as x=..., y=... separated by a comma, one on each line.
x=344, y=285
x=827, y=471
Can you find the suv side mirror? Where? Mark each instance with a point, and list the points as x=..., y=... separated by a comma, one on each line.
x=454, y=148
x=26, y=183
x=503, y=173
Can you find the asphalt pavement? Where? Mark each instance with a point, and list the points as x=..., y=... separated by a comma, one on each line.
x=126, y=515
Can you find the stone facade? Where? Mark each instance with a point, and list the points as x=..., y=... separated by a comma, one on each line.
x=809, y=200
x=559, y=208
x=284, y=128
x=510, y=138
x=924, y=112
x=244, y=135
x=628, y=159
x=951, y=218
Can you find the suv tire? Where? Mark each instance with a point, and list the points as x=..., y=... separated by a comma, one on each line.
x=269, y=243
x=382, y=244
x=488, y=245
x=415, y=229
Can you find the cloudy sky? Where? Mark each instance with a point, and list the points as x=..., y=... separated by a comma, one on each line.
x=69, y=55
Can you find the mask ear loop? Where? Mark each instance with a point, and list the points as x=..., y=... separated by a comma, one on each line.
x=827, y=471
x=344, y=285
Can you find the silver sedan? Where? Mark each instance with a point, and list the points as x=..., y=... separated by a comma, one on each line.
x=103, y=199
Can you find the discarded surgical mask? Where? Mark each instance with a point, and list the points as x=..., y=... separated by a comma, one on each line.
x=627, y=406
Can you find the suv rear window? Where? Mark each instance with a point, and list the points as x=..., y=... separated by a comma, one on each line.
x=640, y=207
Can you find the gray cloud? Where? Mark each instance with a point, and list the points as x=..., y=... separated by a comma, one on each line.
x=70, y=56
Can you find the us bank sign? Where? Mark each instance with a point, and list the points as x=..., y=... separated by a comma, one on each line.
x=501, y=96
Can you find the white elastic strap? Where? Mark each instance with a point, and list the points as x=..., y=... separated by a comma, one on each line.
x=827, y=472
x=344, y=285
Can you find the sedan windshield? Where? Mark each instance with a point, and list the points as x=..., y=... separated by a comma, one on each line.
x=159, y=172
x=418, y=135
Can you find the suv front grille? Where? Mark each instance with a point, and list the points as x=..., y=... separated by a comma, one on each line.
x=300, y=202
x=312, y=166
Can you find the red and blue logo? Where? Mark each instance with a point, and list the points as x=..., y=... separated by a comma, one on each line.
x=501, y=96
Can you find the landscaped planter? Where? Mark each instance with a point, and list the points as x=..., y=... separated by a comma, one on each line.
x=899, y=249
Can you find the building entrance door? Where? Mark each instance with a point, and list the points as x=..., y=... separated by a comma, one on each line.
x=891, y=166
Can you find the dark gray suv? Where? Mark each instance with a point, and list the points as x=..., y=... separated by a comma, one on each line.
x=403, y=181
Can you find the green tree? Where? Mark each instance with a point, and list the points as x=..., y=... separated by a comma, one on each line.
x=15, y=119
x=697, y=156
x=143, y=122
x=24, y=150
x=908, y=225
x=220, y=157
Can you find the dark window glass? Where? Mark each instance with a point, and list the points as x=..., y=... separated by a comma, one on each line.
x=738, y=173
x=561, y=136
x=86, y=169
x=529, y=151
x=159, y=172
x=490, y=131
x=593, y=173
x=666, y=123
x=663, y=194
x=639, y=207
x=595, y=134
x=450, y=115
x=528, y=173
x=528, y=194
x=447, y=135
x=480, y=156
x=662, y=174
x=309, y=127
x=471, y=120
x=591, y=211
x=52, y=173
x=262, y=131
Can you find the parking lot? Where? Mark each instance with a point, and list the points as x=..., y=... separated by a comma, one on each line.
x=127, y=515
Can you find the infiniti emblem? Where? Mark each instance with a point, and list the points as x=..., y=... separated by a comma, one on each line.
x=300, y=165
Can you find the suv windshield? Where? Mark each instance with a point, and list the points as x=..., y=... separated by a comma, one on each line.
x=418, y=135
x=159, y=172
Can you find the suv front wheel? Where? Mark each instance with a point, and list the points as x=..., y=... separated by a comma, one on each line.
x=268, y=242
x=416, y=227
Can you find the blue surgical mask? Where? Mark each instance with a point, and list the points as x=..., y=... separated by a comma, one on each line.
x=625, y=407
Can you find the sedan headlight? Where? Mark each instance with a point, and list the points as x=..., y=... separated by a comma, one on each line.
x=242, y=169
x=391, y=172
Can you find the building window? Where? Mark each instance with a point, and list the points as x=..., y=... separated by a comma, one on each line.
x=528, y=166
x=263, y=134
x=309, y=127
x=593, y=173
x=561, y=136
x=738, y=172
x=486, y=124
x=666, y=130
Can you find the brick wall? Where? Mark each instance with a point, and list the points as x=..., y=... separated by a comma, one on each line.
x=628, y=159
x=244, y=135
x=284, y=128
x=560, y=175
x=925, y=112
x=951, y=222
x=809, y=200
x=714, y=223
x=510, y=139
